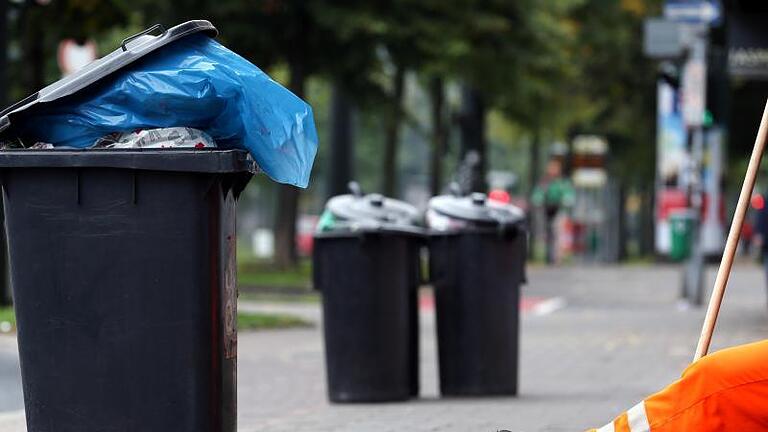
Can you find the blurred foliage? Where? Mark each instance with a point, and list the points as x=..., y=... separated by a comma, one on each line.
x=616, y=85
x=268, y=321
x=7, y=315
x=245, y=320
x=548, y=68
x=258, y=274
x=76, y=19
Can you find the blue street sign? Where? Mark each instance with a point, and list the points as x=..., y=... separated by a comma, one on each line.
x=693, y=11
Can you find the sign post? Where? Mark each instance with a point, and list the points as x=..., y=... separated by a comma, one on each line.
x=694, y=109
x=695, y=17
x=693, y=11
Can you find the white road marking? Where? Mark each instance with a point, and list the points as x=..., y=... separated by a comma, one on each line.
x=548, y=306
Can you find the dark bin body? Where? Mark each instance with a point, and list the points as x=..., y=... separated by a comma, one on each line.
x=123, y=273
x=369, y=283
x=476, y=278
x=6, y=298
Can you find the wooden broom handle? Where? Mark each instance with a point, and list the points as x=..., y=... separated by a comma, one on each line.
x=733, y=239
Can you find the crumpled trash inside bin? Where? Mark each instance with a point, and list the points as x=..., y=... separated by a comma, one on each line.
x=194, y=82
x=175, y=137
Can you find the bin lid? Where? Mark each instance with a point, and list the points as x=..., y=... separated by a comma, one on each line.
x=131, y=49
x=373, y=207
x=357, y=212
x=682, y=213
x=476, y=208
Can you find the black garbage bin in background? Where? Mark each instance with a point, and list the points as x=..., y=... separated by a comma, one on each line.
x=477, y=252
x=123, y=272
x=366, y=264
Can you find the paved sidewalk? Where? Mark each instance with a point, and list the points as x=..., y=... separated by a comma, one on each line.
x=620, y=336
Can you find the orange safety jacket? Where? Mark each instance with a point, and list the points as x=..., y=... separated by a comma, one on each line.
x=724, y=391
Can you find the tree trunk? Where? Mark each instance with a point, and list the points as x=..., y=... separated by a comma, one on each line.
x=341, y=150
x=533, y=178
x=439, y=135
x=4, y=53
x=534, y=160
x=35, y=53
x=622, y=223
x=287, y=211
x=392, y=134
x=473, y=146
x=647, y=220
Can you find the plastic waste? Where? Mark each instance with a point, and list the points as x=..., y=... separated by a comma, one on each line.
x=42, y=146
x=194, y=82
x=176, y=137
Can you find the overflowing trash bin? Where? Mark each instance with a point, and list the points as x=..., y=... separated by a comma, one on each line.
x=366, y=264
x=477, y=251
x=120, y=183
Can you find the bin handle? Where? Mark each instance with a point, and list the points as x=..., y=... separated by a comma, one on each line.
x=142, y=33
x=455, y=189
x=355, y=189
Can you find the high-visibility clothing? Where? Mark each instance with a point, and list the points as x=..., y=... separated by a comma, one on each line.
x=724, y=391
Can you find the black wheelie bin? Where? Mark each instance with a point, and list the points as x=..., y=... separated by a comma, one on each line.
x=122, y=264
x=123, y=274
x=366, y=264
x=477, y=260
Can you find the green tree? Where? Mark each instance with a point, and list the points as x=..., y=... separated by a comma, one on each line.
x=511, y=55
x=270, y=32
x=400, y=28
x=616, y=83
x=312, y=38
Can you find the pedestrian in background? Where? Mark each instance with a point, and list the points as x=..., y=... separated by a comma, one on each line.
x=553, y=193
x=747, y=238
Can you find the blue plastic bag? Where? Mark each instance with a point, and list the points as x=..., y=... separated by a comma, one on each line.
x=194, y=82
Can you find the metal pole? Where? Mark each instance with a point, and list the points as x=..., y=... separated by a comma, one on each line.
x=694, y=268
x=694, y=85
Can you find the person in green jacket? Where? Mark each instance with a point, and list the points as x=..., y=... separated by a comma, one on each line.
x=553, y=193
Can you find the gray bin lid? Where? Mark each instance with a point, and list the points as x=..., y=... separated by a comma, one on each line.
x=476, y=209
x=131, y=49
x=357, y=212
x=373, y=207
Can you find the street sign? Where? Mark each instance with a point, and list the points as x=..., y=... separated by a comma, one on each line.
x=747, y=46
x=662, y=38
x=693, y=11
